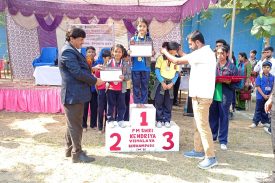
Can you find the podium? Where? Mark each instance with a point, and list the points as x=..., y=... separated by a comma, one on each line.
x=141, y=134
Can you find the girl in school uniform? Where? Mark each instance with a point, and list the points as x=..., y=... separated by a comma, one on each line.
x=167, y=74
x=116, y=90
x=141, y=65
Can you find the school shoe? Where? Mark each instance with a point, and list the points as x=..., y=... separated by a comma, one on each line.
x=194, y=154
x=167, y=124
x=223, y=147
x=266, y=125
x=121, y=124
x=158, y=124
x=82, y=158
x=111, y=124
x=267, y=130
x=253, y=125
x=208, y=163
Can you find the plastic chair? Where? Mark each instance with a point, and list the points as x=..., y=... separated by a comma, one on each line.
x=47, y=57
x=83, y=51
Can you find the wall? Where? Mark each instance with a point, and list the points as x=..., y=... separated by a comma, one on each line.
x=214, y=29
x=3, y=42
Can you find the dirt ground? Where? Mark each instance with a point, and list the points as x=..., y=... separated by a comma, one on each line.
x=32, y=150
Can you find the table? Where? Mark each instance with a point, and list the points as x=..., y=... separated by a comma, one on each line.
x=47, y=75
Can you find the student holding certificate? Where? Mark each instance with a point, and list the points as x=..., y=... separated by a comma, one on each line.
x=117, y=89
x=141, y=64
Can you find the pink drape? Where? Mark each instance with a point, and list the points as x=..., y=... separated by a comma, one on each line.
x=42, y=100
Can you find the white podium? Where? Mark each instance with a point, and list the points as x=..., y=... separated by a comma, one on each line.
x=141, y=134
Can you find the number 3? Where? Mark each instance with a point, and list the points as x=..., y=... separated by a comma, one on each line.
x=115, y=146
x=169, y=140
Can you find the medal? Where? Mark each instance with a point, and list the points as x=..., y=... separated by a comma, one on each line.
x=267, y=88
x=139, y=59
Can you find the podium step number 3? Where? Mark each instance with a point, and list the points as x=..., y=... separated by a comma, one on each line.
x=141, y=134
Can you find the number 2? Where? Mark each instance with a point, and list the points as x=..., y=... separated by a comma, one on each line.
x=169, y=140
x=115, y=146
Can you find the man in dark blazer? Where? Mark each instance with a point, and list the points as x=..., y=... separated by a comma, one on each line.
x=75, y=91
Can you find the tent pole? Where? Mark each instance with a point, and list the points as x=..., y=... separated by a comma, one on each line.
x=232, y=29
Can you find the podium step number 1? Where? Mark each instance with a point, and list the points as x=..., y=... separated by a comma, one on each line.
x=141, y=134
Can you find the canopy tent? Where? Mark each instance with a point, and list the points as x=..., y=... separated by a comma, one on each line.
x=33, y=24
x=161, y=10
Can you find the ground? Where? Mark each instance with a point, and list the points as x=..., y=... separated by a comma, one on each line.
x=32, y=150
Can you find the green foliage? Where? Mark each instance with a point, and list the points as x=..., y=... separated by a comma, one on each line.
x=263, y=26
x=205, y=15
x=2, y=19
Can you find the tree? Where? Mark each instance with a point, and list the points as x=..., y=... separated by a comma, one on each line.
x=263, y=25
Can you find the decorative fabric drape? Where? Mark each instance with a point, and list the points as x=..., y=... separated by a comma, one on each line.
x=129, y=26
x=48, y=27
x=47, y=38
x=72, y=10
x=23, y=47
x=173, y=35
x=26, y=22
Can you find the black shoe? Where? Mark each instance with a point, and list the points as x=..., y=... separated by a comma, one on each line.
x=82, y=158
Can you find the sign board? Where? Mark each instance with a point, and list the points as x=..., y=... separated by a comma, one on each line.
x=140, y=137
x=97, y=35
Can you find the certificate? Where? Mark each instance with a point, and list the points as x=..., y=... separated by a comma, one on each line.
x=110, y=74
x=141, y=50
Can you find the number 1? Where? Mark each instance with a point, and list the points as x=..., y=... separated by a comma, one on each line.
x=143, y=121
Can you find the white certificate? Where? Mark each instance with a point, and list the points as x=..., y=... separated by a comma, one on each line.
x=111, y=75
x=141, y=50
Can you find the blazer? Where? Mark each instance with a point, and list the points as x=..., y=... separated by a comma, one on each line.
x=76, y=76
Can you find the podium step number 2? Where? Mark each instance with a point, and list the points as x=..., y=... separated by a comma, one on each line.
x=141, y=134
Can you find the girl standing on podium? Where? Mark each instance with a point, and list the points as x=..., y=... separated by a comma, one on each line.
x=117, y=89
x=167, y=74
x=141, y=65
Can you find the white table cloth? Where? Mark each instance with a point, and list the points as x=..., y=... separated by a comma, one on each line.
x=47, y=75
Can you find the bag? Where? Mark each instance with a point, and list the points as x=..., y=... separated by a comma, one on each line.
x=245, y=95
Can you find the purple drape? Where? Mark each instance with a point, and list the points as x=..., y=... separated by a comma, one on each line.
x=46, y=38
x=129, y=26
x=84, y=20
x=40, y=19
x=131, y=13
x=102, y=20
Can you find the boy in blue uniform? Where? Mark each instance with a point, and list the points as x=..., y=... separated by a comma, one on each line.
x=264, y=85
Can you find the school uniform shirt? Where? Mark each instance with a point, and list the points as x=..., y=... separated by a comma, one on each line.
x=100, y=87
x=167, y=69
x=140, y=65
x=258, y=66
x=265, y=83
x=203, y=72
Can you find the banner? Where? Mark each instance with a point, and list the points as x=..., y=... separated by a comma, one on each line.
x=97, y=35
